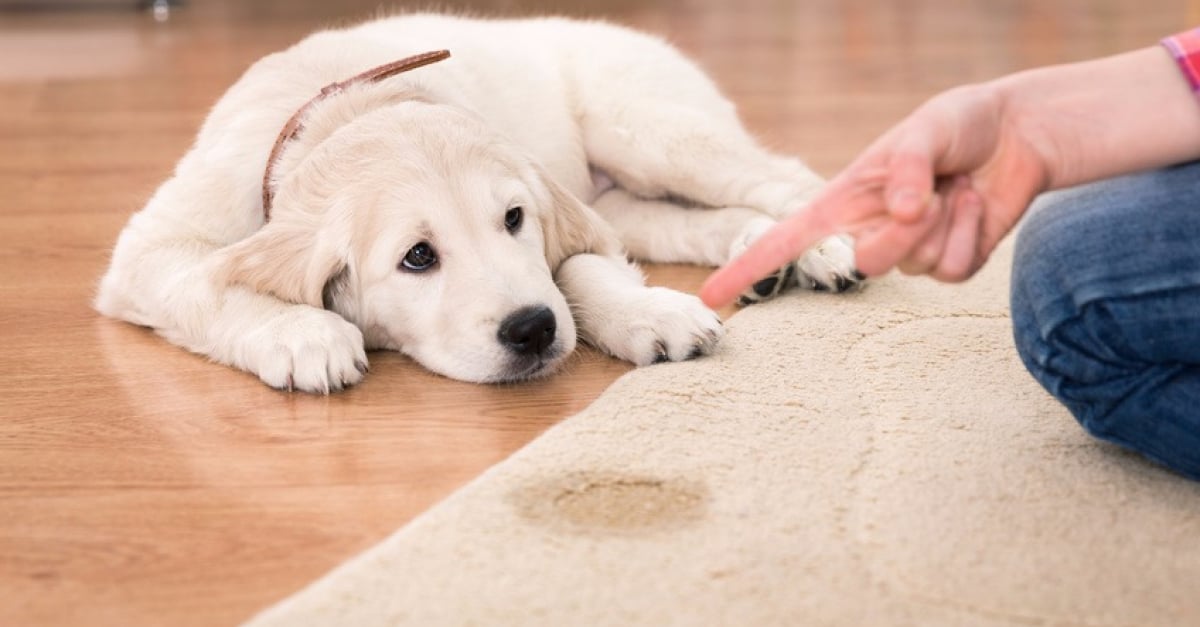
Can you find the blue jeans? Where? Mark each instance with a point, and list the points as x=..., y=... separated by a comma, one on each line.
x=1106, y=309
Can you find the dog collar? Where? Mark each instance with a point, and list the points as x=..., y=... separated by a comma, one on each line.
x=294, y=124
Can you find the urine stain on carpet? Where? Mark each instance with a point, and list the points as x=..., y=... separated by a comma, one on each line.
x=611, y=502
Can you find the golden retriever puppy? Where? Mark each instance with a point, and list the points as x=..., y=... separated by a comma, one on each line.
x=473, y=214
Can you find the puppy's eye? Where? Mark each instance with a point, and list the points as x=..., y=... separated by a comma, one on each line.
x=419, y=258
x=513, y=218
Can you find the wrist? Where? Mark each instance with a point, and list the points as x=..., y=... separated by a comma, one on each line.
x=1030, y=125
x=1098, y=119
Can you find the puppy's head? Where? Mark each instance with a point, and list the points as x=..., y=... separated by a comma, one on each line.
x=434, y=236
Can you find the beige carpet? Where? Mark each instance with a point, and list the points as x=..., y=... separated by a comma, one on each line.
x=880, y=458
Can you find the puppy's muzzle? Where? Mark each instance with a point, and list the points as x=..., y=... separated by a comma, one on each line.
x=528, y=331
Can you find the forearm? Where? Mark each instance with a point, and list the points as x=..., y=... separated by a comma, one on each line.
x=1103, y=118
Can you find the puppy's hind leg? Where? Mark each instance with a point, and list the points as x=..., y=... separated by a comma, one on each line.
x=663, y=231
x=660, y=149
x=657, y=149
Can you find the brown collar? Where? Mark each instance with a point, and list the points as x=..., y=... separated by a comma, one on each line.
x=293, y=126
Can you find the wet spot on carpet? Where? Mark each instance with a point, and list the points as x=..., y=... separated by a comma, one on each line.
x=611, y=502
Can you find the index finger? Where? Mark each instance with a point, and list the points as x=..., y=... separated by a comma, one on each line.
x=844, y=206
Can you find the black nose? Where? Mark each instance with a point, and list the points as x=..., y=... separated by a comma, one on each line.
x=528, y=331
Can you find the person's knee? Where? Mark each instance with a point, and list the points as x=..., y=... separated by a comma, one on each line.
x=1106, y=327
x=1085, y=294
x=1077, y=345
x=1063, y=336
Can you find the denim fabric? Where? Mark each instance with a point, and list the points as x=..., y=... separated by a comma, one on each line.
x=1106, y=309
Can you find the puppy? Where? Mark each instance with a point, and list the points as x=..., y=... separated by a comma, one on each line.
x=474, y=214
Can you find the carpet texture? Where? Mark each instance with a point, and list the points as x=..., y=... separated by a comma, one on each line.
x=878, y=458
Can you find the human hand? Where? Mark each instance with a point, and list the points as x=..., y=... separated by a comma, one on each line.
x=934, y=195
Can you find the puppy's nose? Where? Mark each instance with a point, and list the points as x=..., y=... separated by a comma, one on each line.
x=528, y=331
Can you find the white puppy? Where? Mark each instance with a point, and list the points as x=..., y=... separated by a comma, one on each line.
x=437, y=212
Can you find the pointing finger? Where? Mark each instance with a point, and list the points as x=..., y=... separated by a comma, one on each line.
x=845, y=206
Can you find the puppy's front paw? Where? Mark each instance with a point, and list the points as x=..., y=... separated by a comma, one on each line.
x=829, y=266
x=659, y=324
x=307, y=349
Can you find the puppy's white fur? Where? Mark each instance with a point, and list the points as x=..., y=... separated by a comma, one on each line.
x=535, y=114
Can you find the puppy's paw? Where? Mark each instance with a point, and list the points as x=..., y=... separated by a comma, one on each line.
x=770, y=286
x=307, y=349
x=829, y=266
x=659, y=324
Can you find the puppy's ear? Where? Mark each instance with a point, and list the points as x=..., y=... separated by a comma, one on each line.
x=573, y=228
x=285, y=259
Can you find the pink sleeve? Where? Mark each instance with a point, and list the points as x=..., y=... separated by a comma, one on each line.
x=1185, y=47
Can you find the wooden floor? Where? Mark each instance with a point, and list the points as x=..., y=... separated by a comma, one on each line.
x=141, y=485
